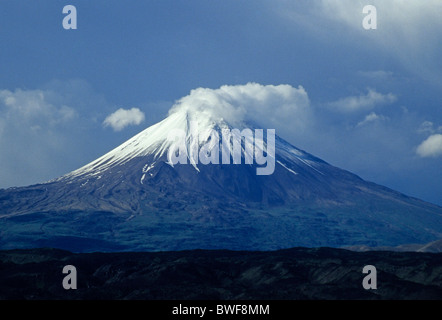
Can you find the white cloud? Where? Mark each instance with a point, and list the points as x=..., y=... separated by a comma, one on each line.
x=42, y=135
x=270, y=106
x=408, y=21
x=33, y=106
x=428, y=127
x=123, y=118
x=372, y=117
x=410, y=31
x=431, y=147
x=363, y=101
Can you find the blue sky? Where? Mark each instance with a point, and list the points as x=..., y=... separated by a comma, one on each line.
x=374, y=96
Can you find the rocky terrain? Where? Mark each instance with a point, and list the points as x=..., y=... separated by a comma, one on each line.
x=297, y=273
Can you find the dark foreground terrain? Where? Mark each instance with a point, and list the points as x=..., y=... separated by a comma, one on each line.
x=298, y=273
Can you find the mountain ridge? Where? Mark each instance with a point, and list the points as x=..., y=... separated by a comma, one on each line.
x=289, y=274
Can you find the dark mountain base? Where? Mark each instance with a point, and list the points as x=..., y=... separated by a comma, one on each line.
x=298, y=273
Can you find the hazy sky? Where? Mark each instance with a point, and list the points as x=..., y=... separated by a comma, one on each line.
x=369, y=101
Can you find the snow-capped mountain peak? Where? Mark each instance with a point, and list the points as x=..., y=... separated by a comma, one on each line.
x=198, y=128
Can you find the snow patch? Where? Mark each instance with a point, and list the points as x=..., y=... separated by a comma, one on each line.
x=286, y=167
x=307, y=162
x=147, y=167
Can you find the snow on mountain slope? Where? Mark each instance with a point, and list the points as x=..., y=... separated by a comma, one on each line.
x=198, y=126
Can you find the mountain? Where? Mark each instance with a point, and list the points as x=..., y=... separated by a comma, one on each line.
x=136, y=197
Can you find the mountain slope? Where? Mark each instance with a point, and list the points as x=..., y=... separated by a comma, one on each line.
x=134, y=198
